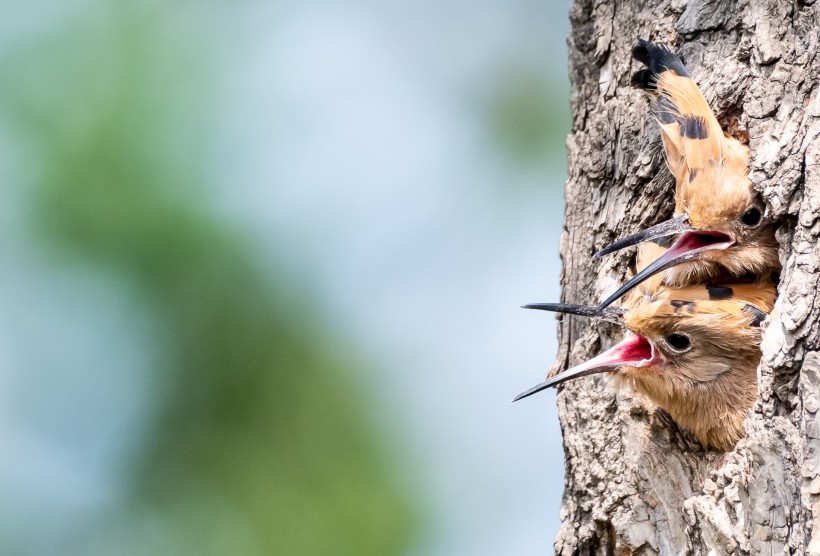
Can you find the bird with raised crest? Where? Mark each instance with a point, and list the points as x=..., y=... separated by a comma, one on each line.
x=720, y=227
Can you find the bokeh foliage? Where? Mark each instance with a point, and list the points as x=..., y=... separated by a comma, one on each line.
x=259, y=443
x=527, y=114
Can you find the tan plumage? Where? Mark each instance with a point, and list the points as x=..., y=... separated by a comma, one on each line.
x=692, y=351
x=712, y=187
x=655, y=287
x=719, y=214
x=678, y=96
x=709, y=388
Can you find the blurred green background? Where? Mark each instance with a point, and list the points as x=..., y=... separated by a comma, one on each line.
x=262, y=269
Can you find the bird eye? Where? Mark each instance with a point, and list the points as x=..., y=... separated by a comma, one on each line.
x=678, y=342
x=751, y=217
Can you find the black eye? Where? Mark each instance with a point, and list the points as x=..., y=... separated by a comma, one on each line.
x=678, y=342
x=751, y=217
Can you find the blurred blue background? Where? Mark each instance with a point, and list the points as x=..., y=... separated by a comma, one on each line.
x=262, y=263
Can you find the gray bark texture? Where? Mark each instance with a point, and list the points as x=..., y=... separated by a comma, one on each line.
x=635, y=483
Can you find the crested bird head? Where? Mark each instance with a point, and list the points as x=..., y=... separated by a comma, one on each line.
x=720, y=227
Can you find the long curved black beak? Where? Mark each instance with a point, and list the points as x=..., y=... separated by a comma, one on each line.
x=676, y=225
x=689, y=247
x=633, y=351
x=609, y=315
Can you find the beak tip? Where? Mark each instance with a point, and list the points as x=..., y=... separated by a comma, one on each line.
x=518, y=397
x=521, y=396
x=534, y=390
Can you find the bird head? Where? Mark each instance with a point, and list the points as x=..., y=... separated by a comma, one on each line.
x=720, y=227
x=728, y=224
x=692, y=351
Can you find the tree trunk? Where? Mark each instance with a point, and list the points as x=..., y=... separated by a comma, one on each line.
x=635, y=484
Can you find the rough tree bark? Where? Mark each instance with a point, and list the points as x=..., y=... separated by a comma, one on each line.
x=634, y=483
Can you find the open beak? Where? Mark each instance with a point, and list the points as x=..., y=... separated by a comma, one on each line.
x=676, y=225
x=632, y=351
x=689, y=246
x=609, y=315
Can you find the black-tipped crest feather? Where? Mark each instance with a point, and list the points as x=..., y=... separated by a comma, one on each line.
x=658, y=59
x=759, y=316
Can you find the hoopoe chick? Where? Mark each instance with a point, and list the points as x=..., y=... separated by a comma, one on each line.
x=720, y=224
x=691, y=354
x=692, y=351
